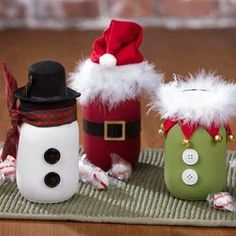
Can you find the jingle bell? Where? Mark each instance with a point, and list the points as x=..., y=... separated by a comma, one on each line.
x=161, y=131
x=186, y=142
x=218, y=138
x=230, y=138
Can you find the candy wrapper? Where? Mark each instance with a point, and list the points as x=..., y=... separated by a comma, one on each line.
x=120, y=168
x=222, y=201
x=115, y=177
x=7, y=169
x=1, y=148
x=92, y=174
x=232, y=163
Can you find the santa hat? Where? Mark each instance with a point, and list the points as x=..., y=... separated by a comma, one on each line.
x=116, y=70
x=202, y=100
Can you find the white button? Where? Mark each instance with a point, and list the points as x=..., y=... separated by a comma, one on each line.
x=190, y=177
x=190, y=157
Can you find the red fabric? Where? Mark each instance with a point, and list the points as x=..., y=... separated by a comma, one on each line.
x=189, y=128
x=213, y=130
x=12, y=135
x=228, y=130
x=49, y=118
x=97, y=149
x=42, y=118
x=122, y=39
x=168, y=124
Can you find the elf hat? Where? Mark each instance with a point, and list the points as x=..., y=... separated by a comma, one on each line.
x=203, y=100
x=116, y=70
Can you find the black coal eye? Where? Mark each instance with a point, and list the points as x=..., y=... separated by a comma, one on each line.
x=52, y=156
x=52, y=179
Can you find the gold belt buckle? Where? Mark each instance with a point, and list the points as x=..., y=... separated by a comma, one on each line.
x=114, y=122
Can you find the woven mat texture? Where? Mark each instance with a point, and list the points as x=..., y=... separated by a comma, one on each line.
x=144, y=200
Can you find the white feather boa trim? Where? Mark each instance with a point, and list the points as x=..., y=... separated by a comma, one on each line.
x=113, y=85
x=203, y=98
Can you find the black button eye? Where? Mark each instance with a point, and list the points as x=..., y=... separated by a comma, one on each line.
x=52, y=156
x=52, y=179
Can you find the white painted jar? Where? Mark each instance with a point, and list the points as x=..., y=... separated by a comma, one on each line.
x=47, y=162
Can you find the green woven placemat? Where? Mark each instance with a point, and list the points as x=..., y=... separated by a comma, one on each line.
x=144, y=200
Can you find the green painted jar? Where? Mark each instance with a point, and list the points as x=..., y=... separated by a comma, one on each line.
x=196, y=111
x=194, y=172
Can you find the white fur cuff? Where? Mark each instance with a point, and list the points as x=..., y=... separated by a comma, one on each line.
x=203, y=98
x=113, y=85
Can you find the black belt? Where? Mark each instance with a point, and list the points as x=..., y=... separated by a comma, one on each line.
x=113, y=130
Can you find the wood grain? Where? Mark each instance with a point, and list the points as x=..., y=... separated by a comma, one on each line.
x=179, y=52
x=38, y=228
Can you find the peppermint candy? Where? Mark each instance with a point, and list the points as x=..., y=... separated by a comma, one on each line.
x=222, y=201
x=120, y=169
x=8, y=169
x=92, y=174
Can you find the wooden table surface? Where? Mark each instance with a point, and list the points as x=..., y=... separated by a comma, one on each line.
x=179, y=52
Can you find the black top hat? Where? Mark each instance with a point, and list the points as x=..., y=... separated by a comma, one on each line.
x=46, y=85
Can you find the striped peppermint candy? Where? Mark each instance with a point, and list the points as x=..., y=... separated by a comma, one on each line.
x=8, y=168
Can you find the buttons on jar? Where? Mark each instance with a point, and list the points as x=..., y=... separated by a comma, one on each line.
x=190, y=177
x=190, y=157
x=52, y=179
x=52, y=156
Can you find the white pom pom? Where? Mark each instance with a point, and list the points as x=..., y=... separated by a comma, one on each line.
x=107, y=60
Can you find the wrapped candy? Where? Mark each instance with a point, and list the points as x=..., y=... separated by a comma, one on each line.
x=116, y=177
x=232, y=163
x=8, y=169
x=120, y=168
x=89, y=173
x=222, y=201
x=1, y=149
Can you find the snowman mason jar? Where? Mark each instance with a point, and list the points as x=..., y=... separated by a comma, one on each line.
x=196, y=129
x=44, y=136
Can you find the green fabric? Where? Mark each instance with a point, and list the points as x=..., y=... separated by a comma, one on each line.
x=210, y=167
x=144, y=200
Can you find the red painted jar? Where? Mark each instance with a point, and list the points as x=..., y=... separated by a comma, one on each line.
x=112, y=130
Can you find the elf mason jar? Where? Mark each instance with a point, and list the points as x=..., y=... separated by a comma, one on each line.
x=111, y=82
x=196, y=129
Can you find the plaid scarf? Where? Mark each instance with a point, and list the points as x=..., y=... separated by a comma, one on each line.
x=40, y=118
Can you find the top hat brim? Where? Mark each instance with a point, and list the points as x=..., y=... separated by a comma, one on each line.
x=71, y=94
